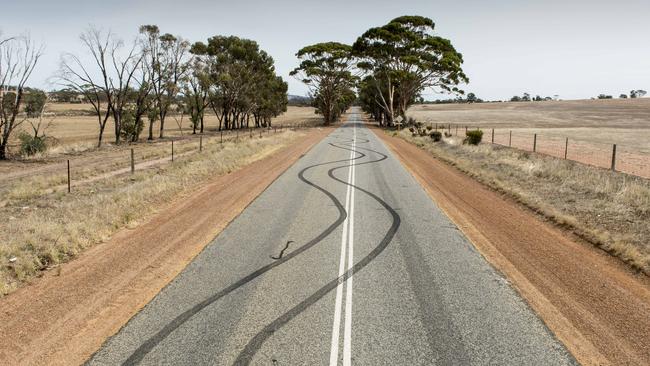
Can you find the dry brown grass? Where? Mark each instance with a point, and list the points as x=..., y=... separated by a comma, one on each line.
x=609, y=209
x=620, y=121
x=38, y=230
x=76, y=130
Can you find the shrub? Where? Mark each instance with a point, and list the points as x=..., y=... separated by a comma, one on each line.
x=30, y=145
x=429, y=128
x=436, y=136
x=130, y=129
x=474, y=137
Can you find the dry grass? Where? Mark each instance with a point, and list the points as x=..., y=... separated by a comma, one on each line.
x=38, y=231
x=609, y=209
x=620, y=121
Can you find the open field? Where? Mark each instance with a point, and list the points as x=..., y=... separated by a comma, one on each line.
x=75, y=128
x=591, y=127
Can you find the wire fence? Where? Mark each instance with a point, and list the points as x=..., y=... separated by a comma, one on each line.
x=131, y=159
x=621, y=158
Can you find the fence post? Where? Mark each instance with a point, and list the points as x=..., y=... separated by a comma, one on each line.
x=465, y=130
x=436, y=127
x=221, y=136
x=68, y=175
x=456, y=130
x=534, y=142
x=493, y=136
x=237, y=135
x=172, y=150
x=510, y=139
x=250, y=131
x=449, y=129
x=260, y=133
x=566, y=147
x=614, y=157
x=200, y=142
x=132, y=162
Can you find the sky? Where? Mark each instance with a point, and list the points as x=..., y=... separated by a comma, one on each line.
x=572, y=48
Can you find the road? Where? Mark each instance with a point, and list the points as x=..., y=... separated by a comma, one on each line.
x=344, y=259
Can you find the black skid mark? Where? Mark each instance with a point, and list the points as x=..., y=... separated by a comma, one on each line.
x=138, y=355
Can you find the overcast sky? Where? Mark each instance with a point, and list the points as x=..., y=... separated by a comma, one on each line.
x=573, y=48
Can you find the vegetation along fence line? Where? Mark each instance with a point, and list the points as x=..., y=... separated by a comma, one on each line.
x=620, y=158
x=232, y=135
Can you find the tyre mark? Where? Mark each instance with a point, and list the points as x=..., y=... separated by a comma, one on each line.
x=138, y=355
x=253, y=346
x=282, y=251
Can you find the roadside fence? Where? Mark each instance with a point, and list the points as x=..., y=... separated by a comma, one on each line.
x=621, y=158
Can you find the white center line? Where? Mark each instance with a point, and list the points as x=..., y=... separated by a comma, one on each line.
x=347, y=338
x=334, y=349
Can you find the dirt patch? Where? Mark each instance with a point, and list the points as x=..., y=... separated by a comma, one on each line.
x=592, y=302
x=66, y=315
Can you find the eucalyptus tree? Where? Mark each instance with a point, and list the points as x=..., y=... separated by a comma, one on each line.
x=18, y=59
x=238, y=70
x=271, y=100
x=326, y=69
x=165, y=58
x=196, y=91
x=406, y=57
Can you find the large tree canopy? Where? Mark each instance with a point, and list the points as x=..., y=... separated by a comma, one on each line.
x=326, y=68
x=405, y=57
x=243, y=81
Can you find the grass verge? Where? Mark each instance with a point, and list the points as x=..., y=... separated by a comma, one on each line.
x=38, y=232
x=608, y=209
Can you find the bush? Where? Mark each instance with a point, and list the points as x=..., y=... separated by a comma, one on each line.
x=474, y=137
x=30, y=145
x=130, y=129
x=436, y=136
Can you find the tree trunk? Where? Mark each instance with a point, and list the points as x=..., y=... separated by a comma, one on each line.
x=3, y=150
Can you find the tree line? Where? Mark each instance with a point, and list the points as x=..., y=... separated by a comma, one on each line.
x=390, y=66
x=147, y=80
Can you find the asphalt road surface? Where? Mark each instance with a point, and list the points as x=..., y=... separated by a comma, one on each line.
x=344, y=259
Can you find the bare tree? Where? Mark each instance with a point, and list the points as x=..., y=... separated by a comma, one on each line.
x=91, y=81
x=18, y=58
x=104, y=81
x=124, y=74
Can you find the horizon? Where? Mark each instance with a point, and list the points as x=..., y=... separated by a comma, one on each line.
x=593, y=45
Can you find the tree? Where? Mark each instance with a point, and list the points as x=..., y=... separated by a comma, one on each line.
x=637, y=93
x=165, y=60
x=91, y=81
x=471, y=98
x=408, y=58
x=239, y=74
x=623, y=96
x=18, y=59
x=516, y=98
x=196, y=91
x=34, y=103
x=326, y=68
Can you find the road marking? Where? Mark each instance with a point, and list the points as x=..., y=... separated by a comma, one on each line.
x=347, y=338
x=336, y=327
x=347, y=242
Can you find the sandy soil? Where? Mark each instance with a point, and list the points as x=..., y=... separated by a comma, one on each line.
x=66, y=315
x=593, y=303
